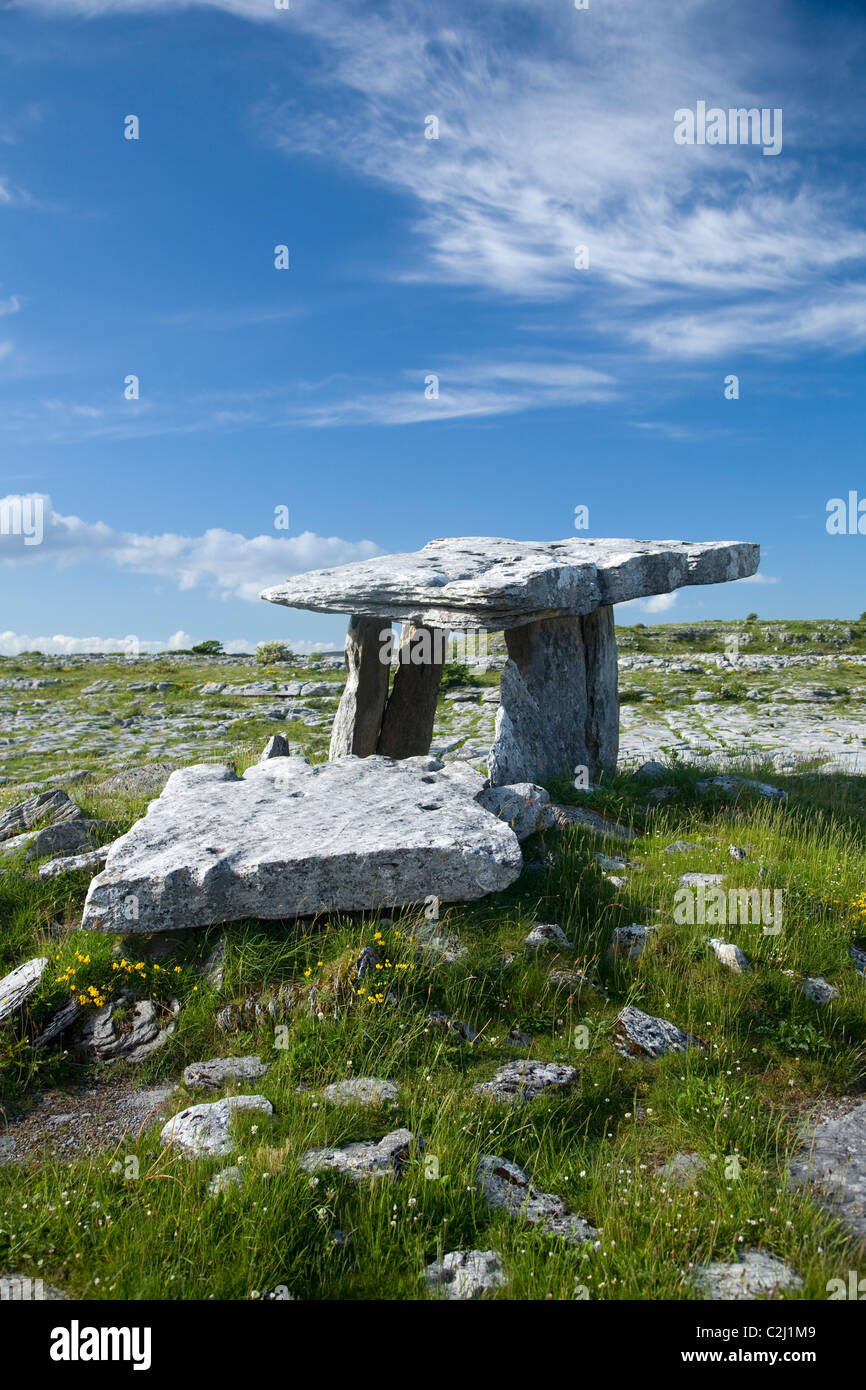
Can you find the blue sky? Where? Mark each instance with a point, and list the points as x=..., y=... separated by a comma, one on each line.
x=305, y=388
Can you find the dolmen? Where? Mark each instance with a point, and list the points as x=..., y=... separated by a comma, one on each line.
x=553, y=600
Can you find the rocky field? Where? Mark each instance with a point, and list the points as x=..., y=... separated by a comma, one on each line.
x=635, y=1073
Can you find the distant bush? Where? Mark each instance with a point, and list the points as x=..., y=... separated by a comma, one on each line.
x=455, y=674
x=751, y=617
x=269, y=653
x=209, y=648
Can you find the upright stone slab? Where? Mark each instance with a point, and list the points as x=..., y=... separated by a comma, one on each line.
x=407, y=725
x=559, y=707
x=359, y=716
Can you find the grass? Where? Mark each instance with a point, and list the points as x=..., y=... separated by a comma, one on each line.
x=770, y=1057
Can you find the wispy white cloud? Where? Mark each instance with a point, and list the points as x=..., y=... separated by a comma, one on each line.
x=226, y=564
x=759, y=579
x=658, y=603
x=60, y=644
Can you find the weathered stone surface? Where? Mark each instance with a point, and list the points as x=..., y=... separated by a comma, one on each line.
x=219, y=1070
x=681, y=847
x=859, y=959
x=729, y=954
x=15, y=987
x=545, y=935
x=361, y=1090
x=369, y=1158
x=71, y=863
x=54, y=806
x=636, y=1034
x=277, y=746
x=287, y=840
x=652, y=771
x=629, y=943
x=148, y=1029
x=358, y=721
x=727, y=787
x=682, y=1169
x=226, y=1180
x=432, y=940
x=410, y=713
x=559, y=707
x=58, y=1023
x=448, y=1024
x=65, y=837
x=475, y=582
x=756, y=1274
x=202, y=1131
x=148, y=780
x=613, y=862
x=580, y=815
x=523, y=806
x=820, y=991
x=525, y=1080
x=466, y=1274
x=835, y=1161
x=505, y=1187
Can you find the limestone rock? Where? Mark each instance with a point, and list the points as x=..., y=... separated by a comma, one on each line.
x=580, y=815
x=729, y=954
x=149, y=1028
x=148, y=780
x=202, y=1131
x=652, y=772
x=71, y=863
x=756, y=1274
x=53, y=806
x=466, y=1274
x=731, y=786
x=629, y=943
x=505, y=1186
x=834, y=1159
x=65, y=837
x=682, y=1169
x=523, y=806
x=215, y=1073
x=525, y=1080
x=820, y=991
x=545, y=935
x=438, y=1019
x=369, y=1158
x=681, y=847
x=361, y=1090
x=637, y=1034
x=277, y=746
x=432, y=940
x=15, y=987
x=289, y=840
x=492, y=583
x=226, y=1180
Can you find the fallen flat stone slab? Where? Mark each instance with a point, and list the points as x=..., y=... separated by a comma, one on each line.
x=289, y=840
x=834, y=1160
x=219, y=1070
x=369, y=1158
x=731, y=786
x=361, y=1090
x=54, y=806
x=526, y=1080
x=466, y=1274
x=71, y=863
x=15, y=987
x=148, y=780
x=492, y=583
x=819, y=990
x=756, y=1274
x=637, y=1034
x=505, y=1187
x=202, y=1131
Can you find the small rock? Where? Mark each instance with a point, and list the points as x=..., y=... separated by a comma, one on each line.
x=660, y=795
x=53, y=806
x=701, y=880
x=546, y=934
x=651, y=771
x=729, y=954
x=15, y=987
x=682, y=1169
x=525, y=1080
x=71, y=863
x=202, y=1131
x=277, y=746
x=505, y=1187
x=225, y=1180
x=819, y=990
x=629, y=943
x=104, y=1035
x=454, y=1025
x=859, y=959
x=370, y=1158
x=361, y=1090
x=615, y=865
x=524, y=806
x=756, y=1274
x=466, y=1274
x=681, y=847
x=215, y=1073
x=834, y=1159
x=637, y=1034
